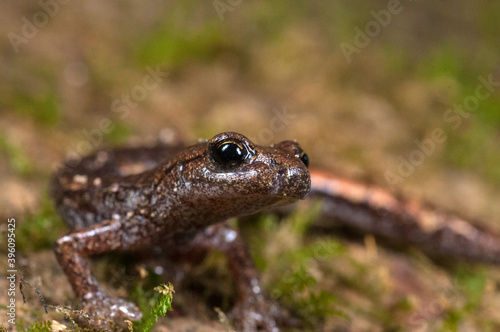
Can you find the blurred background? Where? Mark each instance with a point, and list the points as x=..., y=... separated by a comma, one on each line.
x=401, y=94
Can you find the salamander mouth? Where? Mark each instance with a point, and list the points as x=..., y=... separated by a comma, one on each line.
x=288, y=196
x=295, y=195
x=283, y=199
x=278, y=200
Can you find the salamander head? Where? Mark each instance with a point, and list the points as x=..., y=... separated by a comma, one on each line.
x=230, y=172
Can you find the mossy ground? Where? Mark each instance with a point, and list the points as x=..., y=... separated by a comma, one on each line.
x=63, y=91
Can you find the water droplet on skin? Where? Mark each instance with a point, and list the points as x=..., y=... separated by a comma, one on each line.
x=230, y=236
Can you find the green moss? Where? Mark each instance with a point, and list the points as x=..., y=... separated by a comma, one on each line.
x=271, y=18
x=472, y=144
x=470, y=285
x=45, y=326
x=396, y=61
x=162, y=303
x=452, y=321
x=474, y=149
x=292, y=280
x=444, y=61
x=488, y=111
x=487, y=19
x=31, y=91
x=176, y=41
x=119, y=133
x=142, y=294
x=39, y=231
x=18, y=160
x=266, y=224
x=42, y=106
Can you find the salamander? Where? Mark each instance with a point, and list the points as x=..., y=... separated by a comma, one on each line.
x=133, y=198
x=128, y=199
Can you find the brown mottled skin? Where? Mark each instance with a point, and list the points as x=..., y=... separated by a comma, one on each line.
x=130, y=199
x=368, y=209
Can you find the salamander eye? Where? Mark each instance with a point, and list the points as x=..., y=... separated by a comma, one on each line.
x=305, y=159
x=230, y=153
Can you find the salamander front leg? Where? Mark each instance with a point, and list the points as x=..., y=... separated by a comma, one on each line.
x=70, y=251
x=254, y=310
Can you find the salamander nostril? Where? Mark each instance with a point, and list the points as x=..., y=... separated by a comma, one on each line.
x=283, y=172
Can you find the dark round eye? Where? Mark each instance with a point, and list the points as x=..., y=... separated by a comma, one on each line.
x=304, y=158
x=230, y=154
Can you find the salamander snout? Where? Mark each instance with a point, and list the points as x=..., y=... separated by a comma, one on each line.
x=292, y=177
